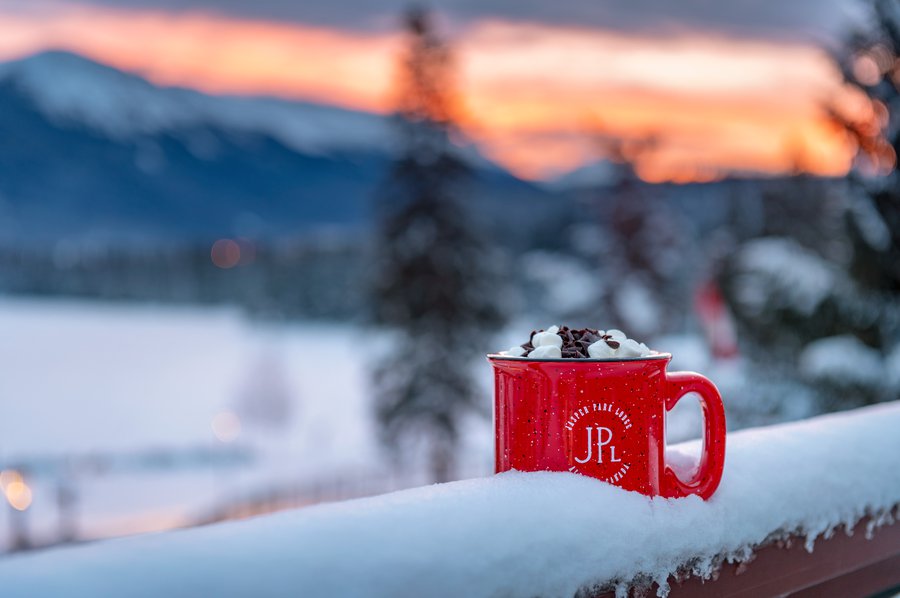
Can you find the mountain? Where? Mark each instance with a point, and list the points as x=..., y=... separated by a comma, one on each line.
x=600, y=173
x=91, y=152
x=72, y=89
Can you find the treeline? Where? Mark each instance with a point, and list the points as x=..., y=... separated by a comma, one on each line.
x=312, y=277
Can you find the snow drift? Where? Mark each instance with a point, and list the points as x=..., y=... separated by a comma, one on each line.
x=516, y=534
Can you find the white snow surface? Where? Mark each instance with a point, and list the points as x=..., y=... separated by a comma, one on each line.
x=81, y=378
x=514, y=534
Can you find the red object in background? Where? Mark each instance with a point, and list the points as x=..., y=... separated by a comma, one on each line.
x=602, y=418
x=716, y=320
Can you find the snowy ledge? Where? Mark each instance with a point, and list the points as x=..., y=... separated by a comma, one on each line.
x=544, y=534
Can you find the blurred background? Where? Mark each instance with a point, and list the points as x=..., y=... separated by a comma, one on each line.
x=252, y=254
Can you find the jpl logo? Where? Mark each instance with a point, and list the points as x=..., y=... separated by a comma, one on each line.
x=595, y=430
x=600, y=444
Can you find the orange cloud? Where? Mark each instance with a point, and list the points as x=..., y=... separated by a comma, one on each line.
x=213, y=53
x=716, y=104
x=533, y=93
x=694, y=132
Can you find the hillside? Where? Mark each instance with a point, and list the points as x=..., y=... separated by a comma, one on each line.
x=90, y=152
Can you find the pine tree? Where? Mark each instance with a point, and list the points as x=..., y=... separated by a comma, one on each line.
x=434, y=283
x=871, y=67
x=831, y=319
x=636, y=245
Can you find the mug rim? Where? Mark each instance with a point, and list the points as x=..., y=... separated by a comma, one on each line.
x=499, y=357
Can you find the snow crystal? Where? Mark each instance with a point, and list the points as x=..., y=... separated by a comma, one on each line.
x=514, y=534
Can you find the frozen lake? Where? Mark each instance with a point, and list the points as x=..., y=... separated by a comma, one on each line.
x=81, y=379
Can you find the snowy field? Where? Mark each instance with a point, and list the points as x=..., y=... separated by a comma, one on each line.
x=83, y=379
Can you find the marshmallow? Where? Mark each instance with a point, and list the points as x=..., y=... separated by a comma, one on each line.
x=600, y=350
x=630, y=348
x=546, y=352
x=548, y=344
x=547, y=339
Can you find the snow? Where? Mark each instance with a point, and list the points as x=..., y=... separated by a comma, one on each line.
x=843, y=360
x=514, y=534
x=782, y=270
x=892, y=366
x=566, y=284
x=638, y=306
x=598, y=173
x=124, y=380
x=90, y=366
x=72, y=88
x=870, y=223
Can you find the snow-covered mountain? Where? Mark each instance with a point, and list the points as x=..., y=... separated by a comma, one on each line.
x=87, y=150
x=72, y=89
x=593, y=174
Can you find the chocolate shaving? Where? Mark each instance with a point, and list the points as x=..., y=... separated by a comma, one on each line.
x=575, y=341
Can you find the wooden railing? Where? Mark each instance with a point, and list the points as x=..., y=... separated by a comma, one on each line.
x=863, y=562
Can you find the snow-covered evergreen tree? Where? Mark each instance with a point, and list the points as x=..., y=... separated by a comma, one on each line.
x=823, y=309
x=637, y=246
x=871, y=67
x=434, y=282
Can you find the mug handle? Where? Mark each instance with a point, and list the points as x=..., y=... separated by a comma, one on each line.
x=712, y=461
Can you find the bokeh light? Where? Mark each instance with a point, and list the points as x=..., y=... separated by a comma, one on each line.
x=18, y=494
x=225, y=253
x=226, y=426
x=7, y=477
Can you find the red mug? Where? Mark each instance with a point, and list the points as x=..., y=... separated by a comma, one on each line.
x=604, y=418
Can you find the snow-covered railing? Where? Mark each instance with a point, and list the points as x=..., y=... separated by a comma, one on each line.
x=546, y=534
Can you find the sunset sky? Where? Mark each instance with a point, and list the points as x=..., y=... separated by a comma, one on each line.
x=733, y=86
